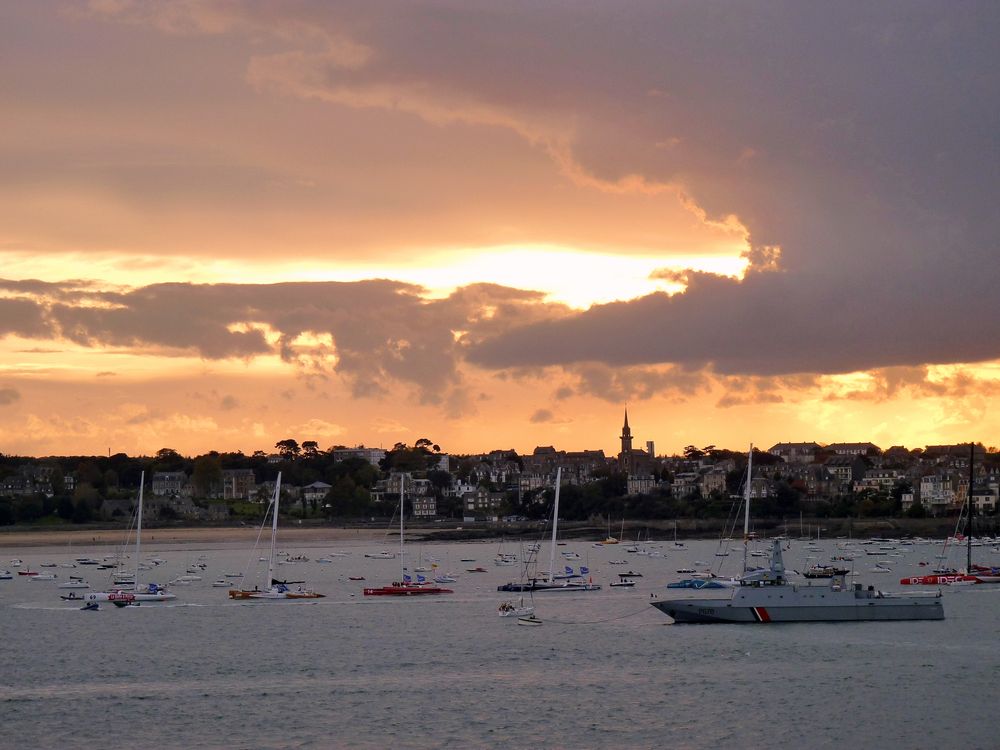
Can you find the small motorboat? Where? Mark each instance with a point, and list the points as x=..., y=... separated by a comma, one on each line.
x=90, y=607
x=72, y=597
x=529, y=620
x=624, y=583
x=355, y=578
x=475, y=570
x=222, y=583
x=6, y=575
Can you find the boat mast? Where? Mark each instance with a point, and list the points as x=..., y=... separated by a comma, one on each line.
x=746, y=507
x=274, y=532
x=402, y=566
x=138, y=533
x=555, y=525
x=968, y=521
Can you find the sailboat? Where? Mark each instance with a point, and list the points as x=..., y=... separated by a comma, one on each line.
x=973, y=573
x=677, y=545
x=405, y=586
x=275, y=589
x=610, y=539
x=712, y=581
x=512, y=608
x=551, y=584
x=138, y=595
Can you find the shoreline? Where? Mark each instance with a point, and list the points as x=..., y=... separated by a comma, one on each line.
x=155, y=536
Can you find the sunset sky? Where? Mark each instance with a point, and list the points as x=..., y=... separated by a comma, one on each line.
x=495, y=224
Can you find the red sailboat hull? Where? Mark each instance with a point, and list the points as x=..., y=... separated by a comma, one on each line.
x=404, y=590
x=938, y=580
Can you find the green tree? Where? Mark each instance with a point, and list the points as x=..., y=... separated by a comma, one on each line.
x=207, y=474
x=82, y=511
x=58, y=482
x=28, y=508
x=167, y=459
x=288, y=449
x=65, y=507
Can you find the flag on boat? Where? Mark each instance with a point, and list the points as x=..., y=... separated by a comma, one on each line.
x=584, y=570
x=406, y=578
x=569, y=570
x=421, y=579
x=434, y=566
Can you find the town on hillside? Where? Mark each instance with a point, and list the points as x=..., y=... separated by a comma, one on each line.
x=841, y=480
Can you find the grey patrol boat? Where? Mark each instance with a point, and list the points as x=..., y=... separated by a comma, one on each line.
x=767, y=596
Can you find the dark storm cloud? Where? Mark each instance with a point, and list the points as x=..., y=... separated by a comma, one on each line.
x=381, y=331
x=23, y=317
x=859, y=139
x=857, y=144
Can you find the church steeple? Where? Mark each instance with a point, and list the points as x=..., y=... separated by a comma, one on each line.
x=625, y=457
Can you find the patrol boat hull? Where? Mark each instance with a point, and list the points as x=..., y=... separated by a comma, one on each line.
x=767, y=596
x=790, y=603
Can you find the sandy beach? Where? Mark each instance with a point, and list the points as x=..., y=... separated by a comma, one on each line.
x=153, y=536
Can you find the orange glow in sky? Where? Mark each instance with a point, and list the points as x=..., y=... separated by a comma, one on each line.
x=227, y=224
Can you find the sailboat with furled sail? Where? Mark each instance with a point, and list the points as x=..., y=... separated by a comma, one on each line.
x=973, y=574
x=405, y=585
x=552, y=582
x=152, y=592
x=274, y=590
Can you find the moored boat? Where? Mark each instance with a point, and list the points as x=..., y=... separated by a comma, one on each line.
x=766, y=596
x=405, y=586
x=276, y=590
x=551, y=583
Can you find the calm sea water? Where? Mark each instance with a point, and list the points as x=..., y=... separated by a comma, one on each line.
x=606, y=669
